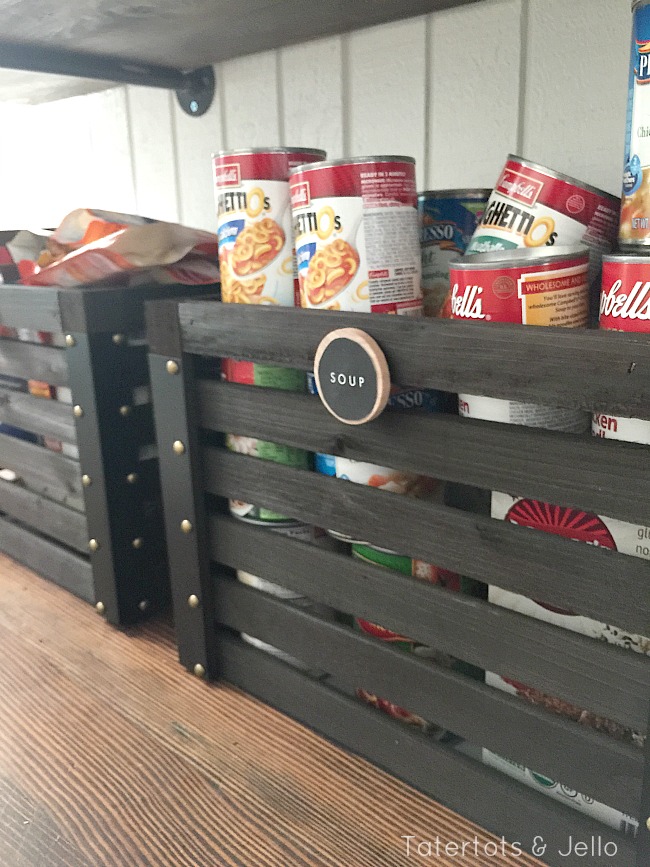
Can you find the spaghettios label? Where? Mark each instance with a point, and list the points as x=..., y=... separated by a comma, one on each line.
x=356, y=235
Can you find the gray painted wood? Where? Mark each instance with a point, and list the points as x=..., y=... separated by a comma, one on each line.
x=33, y=307
x=33, y=361
x=587, y=473
x=608, y=680
x=46, y=516
x=553, y=745
x=47, y=417
x=49, y=473
x=577, y=368
x=520, y=559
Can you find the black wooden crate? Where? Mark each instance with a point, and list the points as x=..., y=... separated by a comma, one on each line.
x=92, y=525
x=590, y=370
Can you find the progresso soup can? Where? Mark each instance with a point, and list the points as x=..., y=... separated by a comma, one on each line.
x=448, y=220
x=356, y=230
x=634, y=231
x=257, y=266
x=624, y=306
x=534, y=207
x=529, y=287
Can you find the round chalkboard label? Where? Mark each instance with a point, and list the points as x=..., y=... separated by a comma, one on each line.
x=352, y=375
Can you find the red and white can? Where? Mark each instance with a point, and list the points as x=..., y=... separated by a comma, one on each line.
x=528, y=287
x=357, y=235
x=624, y=306
x=533, y=206
x=256, y=257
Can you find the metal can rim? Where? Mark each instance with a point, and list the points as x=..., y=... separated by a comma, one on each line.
x=560, y=176
x=628, y=258
x=242, y=152
x=470, y=193
x=629, y=246
x=330, y=164
x=637, y=3
x=518, y=257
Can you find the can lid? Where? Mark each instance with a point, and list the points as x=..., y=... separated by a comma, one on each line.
x=640, y=258
x=637, y=3
x=457, y=194
x=538, y=167
x=514, y=258
x=328, y=164
x=240, y=152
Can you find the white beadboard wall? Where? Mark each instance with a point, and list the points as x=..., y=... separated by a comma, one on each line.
x=457, y=90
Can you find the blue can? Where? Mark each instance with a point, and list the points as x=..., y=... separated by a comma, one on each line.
x=448, y=219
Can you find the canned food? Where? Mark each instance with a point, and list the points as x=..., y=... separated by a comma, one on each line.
x=256, y=259
x=532, y=206
x=257, y=266
x=426, y=572
x=530, y=287
x=624, y=306
x=448, y=220
x=634, y=228
x=356, y=230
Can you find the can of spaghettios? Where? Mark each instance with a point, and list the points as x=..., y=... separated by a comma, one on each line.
x=256, y=258
x=448, y=220
x=529, y=287
x=257, y=266
x=356, y=230
x=425, y=572
x=532, y=206
x=624, y=306
x=634, y=230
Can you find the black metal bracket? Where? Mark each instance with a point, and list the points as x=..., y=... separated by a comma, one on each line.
x=196, y=94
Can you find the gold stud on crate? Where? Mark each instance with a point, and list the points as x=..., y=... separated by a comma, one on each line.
x=178, y=447
x=100, y=608
x=193, y=601
x=199, y=671
x=93, y=544
x=186, y=526
x=69, y=340
x=647, y=823
x=118, y=339
x=77, y=411
x=125, y=410
x=137, y=542
x=132, y=478
x=171, y=367
x=143, y=605
x=86, y=481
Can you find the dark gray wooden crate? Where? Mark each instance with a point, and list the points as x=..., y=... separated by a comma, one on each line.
x=594, y=371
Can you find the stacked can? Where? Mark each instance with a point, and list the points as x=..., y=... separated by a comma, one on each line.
x=357, y=249
x=257, y=266
x=448, y=220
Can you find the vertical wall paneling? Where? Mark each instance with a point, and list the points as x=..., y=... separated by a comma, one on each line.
x=312, y=95
x=576, y=86
x=111, y=152
x=474, y=93
x=196, y=140
x=250, y=91
x=386, y=88
x=154, y=152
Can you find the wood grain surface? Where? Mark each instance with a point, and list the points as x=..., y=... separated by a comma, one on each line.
x=111, y=754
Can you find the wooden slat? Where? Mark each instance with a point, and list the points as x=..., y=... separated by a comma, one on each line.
x=47, y=417
x=33, y=361
x=53, y=561
x=44, y=471
x=576, y=368
x=553, y=745
x=587, y=473
x=482, y=794
x=33, y=307
x=47, y=517
x=520, y=559
x=608, y=680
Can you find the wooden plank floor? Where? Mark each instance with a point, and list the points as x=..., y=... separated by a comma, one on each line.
x=111, y=754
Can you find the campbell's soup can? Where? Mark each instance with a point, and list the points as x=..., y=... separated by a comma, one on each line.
x=448, y=220
x=624, y=306
x=530, y=288
x=532, y=206
x=257, y=266
x=356, y=231
x=634, y=230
